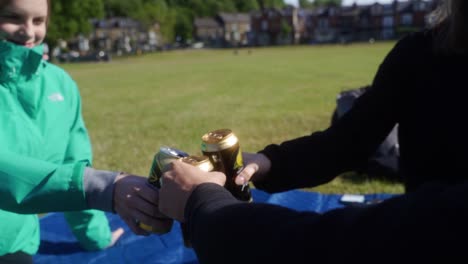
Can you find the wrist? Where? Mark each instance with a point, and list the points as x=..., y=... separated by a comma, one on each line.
x=264, y=166
x=99, y=188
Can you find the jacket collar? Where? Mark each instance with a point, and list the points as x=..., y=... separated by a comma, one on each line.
x=18, y=62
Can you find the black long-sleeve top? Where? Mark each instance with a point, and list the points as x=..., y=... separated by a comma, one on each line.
x=421, y=90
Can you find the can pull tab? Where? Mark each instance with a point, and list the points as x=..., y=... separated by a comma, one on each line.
x=178, y=153
x=244, y=185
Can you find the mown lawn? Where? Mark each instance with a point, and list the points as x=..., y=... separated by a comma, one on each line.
x=132, y=106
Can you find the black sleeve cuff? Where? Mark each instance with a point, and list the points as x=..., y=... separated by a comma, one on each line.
x=210, y=196
x=204, y=200
x=271, y=183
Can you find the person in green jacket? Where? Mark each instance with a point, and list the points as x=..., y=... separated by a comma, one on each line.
x=45, y=153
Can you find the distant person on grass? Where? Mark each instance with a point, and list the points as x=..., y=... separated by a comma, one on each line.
x=45, y=152
x=422, y=86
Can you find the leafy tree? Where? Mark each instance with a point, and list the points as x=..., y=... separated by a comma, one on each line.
x=286, y=29
x=272, y=3
x=160, y=12
x=306, y=3
x=219, y=5
x=199, y=8
x=246, y=5
x=175, y=17
x=122, y=8
x=71, y=17
x=183, y=27
x=326, y=2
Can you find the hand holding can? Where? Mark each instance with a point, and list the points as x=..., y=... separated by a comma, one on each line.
x=222, y=148
x=204, y=164
x=161, y=159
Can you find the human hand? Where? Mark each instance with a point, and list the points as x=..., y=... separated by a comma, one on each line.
x=135, y=201
x=116, y=234
x=256, y=167
x=178, y=182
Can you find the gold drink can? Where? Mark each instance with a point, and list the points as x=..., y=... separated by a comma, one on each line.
x=201, y=162
x=161, y=159
x=204, y=164
x=222, y=148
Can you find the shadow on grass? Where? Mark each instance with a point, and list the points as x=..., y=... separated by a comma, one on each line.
x=358, y=178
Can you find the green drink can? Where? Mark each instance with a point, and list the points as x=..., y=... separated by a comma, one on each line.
x=161, y=159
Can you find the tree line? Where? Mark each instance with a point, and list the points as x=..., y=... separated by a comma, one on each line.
x=175, y=17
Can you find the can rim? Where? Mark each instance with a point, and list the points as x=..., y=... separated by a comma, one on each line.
x=226, y=142
x=176, y=153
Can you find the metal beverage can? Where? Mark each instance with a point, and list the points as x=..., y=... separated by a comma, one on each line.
x=201, y=162
x=161, y=159
x=204, y=164
x=222, y=148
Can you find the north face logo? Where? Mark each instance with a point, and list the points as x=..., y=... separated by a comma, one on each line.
x=55, y=97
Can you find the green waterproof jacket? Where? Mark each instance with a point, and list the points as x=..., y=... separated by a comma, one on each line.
x=44, y=149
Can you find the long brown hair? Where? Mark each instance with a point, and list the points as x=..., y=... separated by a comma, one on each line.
x=450, y=21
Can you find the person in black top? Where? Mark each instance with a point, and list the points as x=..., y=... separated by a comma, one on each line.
x=421, y=85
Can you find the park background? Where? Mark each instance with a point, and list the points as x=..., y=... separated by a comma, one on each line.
x=268, y=87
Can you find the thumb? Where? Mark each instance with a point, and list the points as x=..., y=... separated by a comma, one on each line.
x=115, y=236
x=246, y=174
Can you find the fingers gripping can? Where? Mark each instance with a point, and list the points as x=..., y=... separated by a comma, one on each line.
x=161, y=159
x=222, y=148
x=204, y=164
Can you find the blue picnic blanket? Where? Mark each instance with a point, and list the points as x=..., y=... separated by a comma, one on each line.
x=58, y=244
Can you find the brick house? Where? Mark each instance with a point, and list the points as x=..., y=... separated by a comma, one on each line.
x=388, y=21
x=326, y=24
x=209, y=31
x=236, y=28
x=266, y=26
x=348, y=23
x=375, y=21
x=411, y=16
x=124, y=35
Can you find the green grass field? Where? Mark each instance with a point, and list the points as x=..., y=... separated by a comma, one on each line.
x=134, y=105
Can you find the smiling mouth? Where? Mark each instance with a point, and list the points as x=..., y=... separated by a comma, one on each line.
x=25, y=44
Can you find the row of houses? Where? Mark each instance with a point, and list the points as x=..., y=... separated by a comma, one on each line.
x=268, y=26
x=327, y=24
